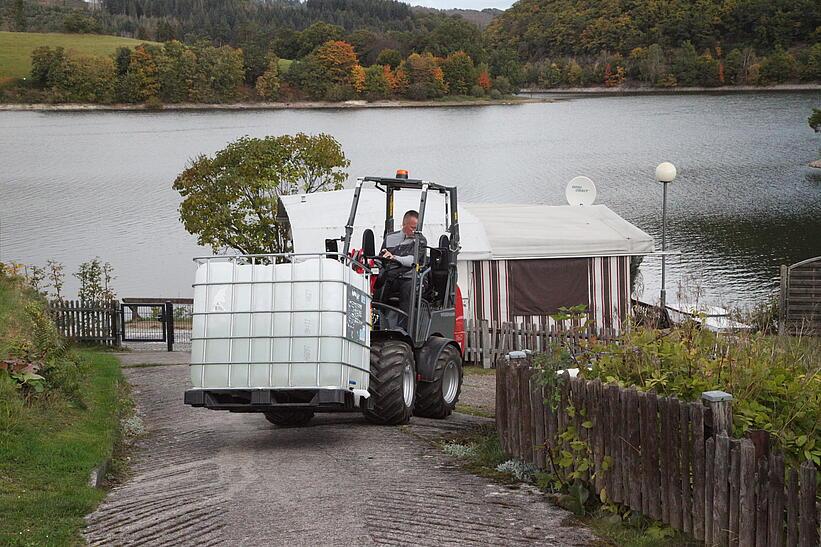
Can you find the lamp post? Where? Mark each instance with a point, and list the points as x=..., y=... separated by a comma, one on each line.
x=665, y=174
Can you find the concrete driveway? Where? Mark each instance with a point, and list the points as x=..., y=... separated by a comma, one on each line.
x=214, y=478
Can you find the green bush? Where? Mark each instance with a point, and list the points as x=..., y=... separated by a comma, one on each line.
x=775, y=381
x=495, y=94
x=477, y=91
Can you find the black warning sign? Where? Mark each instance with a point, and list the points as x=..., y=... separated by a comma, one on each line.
x=356, y=319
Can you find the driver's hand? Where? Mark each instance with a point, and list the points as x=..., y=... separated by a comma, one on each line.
x=387, y=254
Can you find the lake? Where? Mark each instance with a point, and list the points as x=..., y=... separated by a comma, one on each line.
x=84, y=184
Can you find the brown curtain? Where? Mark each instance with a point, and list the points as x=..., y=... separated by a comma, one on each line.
x=542, y=286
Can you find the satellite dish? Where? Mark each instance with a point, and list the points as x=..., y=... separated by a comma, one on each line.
x=580, y=191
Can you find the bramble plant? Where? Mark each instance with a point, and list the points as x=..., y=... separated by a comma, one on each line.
x=775, y=381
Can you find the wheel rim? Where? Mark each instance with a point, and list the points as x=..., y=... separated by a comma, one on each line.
x=408, y=385
x=450, y=382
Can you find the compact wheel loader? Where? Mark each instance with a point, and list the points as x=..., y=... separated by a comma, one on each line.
x=289, y=335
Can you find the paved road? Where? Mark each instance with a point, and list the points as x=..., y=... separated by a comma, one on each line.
x=215, y=478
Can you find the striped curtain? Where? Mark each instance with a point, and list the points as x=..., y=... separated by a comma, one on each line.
x=609, y=293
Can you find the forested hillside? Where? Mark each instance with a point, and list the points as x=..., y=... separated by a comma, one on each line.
x=235, y=50
x=669, y=43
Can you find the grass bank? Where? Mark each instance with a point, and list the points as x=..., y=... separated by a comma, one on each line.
x=59, y=415
x=16, y=48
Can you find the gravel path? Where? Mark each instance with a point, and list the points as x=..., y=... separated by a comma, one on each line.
x=215, y=478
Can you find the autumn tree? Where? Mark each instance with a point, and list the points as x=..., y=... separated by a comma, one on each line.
x=267, y=85
x=425, y=78
x=230, y=200
x=483, y=79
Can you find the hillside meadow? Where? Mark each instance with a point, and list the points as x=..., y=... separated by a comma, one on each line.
x=16, y=48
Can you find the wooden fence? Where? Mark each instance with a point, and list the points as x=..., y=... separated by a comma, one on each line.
x=668, y=459
x=88, y=322
x=800, y=302
x=488, y=342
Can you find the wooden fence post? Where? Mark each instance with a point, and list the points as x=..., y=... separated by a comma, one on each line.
x=721, y=491
x=808, y=531
x=721, y=410
x=775, y=523
x=747, y=492
x=697, y=447
x=782, y=299
x=502, y=404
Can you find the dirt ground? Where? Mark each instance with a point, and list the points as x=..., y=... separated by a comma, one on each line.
x=215, y=478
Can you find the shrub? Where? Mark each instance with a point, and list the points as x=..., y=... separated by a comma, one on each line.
x=775, y=381
x=477, y=91
x=502, y=85
x=495, y=94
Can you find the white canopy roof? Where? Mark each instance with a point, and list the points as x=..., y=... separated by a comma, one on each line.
x=488, y=231
x=545, y=231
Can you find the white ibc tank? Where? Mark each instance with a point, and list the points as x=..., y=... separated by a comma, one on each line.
x=280, y=326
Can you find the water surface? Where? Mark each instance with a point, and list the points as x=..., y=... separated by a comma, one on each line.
x=78, y=185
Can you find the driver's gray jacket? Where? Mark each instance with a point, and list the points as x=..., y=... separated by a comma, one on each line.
x=401, y=247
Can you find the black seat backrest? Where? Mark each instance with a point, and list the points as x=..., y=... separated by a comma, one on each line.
x=439, y=268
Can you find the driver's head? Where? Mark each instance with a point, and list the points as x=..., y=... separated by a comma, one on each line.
x=409, y=222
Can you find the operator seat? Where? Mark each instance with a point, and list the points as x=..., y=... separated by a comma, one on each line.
x=440, y=269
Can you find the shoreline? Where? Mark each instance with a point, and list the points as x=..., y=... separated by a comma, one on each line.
x=669, y=90
x=300, y=105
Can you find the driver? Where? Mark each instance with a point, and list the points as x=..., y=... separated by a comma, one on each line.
x=398, y=246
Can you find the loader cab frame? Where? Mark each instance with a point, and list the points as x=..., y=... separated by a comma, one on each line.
x=432, y=311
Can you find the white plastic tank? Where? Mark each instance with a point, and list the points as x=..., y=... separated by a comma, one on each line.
x=304, y=324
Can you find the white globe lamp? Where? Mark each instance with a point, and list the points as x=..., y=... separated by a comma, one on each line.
x=665, y=174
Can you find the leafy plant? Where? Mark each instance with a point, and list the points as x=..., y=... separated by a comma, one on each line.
x=775, y=381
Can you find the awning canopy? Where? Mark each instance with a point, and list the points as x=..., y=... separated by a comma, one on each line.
x=545, y=231
x=488, y=231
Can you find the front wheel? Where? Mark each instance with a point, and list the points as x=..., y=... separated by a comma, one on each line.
x=438, y=398
x=287, y=417
x=392, y=383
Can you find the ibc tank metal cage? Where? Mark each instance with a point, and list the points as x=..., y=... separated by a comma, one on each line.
x=307, y=313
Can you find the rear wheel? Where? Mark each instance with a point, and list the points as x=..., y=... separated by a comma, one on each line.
x=392, y=383
x=438, y=398
x=289, y=417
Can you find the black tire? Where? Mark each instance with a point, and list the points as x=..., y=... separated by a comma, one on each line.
x=390, y=360
x=431, y=400
x=289, y=417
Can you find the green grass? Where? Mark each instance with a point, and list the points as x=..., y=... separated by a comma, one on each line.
x=472, y=370
x=473, y=410
x=284, y=64
x=16, y=48
x=47, y=450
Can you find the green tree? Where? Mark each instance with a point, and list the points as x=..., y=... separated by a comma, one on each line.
x=230, y=200
x=504, y=62
x=376, y=83
x=459, y=73
x=685, y=65
x=90, y=80
x=815, y=120
x=316, y=35
x=49, y=67
x=389, y=57
x=267, y=85
x=778, y=67
x=175, y=70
